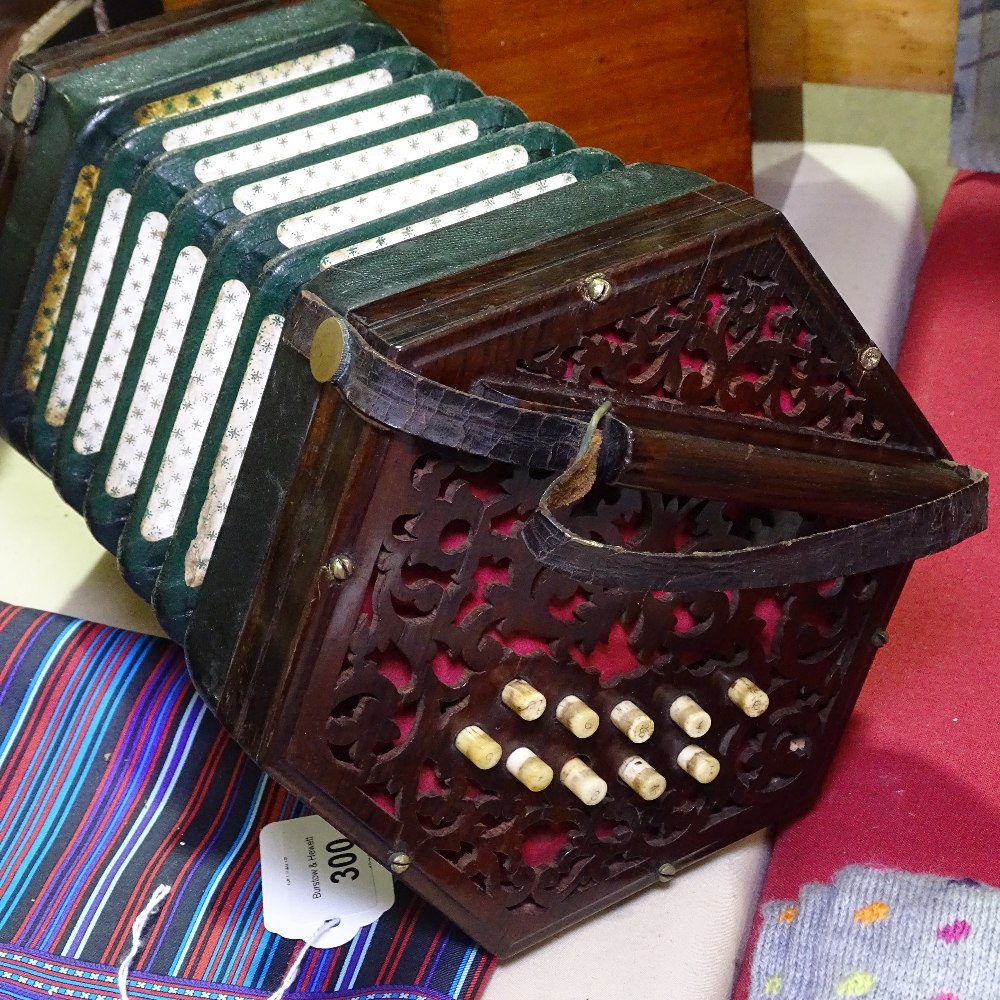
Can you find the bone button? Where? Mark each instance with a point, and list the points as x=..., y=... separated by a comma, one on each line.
x=642, y=778
x=473, y=743
x=578, y=717
x=632, y=721
x=700, y=764
x=749, y=698
x=530, y=769
x=690, y=716
x=524, y=700
x=589, y=787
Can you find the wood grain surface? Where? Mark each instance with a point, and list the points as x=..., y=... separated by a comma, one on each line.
x=663, y=80
x=899, y=44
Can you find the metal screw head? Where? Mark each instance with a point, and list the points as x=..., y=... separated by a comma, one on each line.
x=666, y=873
x=870, y=358
x=399, y=863
x=880, y=638
x=340, y=568
x=596, y=288
x=22, y=101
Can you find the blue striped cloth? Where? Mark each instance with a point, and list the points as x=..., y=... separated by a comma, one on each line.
x=117, y=778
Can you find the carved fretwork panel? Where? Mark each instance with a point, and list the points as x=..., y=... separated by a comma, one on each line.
x=455, y=607
x=738, y=344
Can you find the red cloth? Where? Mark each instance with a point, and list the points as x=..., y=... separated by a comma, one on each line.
x=916, y=784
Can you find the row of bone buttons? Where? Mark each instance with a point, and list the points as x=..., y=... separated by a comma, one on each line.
x=631, y=720
x=690, y=716
x=748, y=698
x=524, y=700
x=700, y=764
x=582, y=721
x=589, y=787
x=578, y=717
x=575, y=714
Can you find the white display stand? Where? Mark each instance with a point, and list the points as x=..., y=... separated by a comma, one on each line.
x=857, y=212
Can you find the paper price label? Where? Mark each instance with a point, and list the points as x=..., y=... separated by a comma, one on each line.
x=311, y=873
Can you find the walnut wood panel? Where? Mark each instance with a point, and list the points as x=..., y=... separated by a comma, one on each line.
x=422, y=642
x=661, y=80
x=750, y=293
x=899, y=44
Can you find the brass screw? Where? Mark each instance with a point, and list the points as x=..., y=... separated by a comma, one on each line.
x=870, y=358
x=666, y=873
x=596, y=288
x=340, y=568
x=328, y=346
x=399, y=863
x=880, y=638
x=22, y=101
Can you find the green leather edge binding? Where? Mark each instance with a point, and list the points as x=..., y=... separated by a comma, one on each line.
x=140, y=560
x=241, y=252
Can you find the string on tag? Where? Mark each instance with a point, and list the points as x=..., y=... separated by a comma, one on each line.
x=152, y=908
x=139, y=926
x=293, y=970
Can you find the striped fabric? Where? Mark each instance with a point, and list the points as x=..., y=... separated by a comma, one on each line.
x=115, y=779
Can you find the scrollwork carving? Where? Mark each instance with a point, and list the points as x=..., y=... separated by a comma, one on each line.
x=456, y=607
x=741, y=347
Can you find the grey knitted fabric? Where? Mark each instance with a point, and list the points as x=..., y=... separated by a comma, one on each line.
x=882, y=935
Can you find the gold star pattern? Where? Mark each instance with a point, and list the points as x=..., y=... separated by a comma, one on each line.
x=55, y=288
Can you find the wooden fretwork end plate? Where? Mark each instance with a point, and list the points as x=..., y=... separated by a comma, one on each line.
x=535, y=747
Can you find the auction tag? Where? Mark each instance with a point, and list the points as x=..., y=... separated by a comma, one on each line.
x=311, y=873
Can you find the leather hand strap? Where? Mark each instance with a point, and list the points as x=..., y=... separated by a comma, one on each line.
x=51, y=23
x=396, y=397
x=894, y=538
x=489, y=427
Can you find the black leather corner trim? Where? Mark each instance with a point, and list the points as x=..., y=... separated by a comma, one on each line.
x=392, y=396
x=901, y=537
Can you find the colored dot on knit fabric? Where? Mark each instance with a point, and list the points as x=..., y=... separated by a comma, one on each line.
x=788, y=915
x=773, y=986
x=872, y=913
x=953, y=933
x=857, y=984
x=945, y=996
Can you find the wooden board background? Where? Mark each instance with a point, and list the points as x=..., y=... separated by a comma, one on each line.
x=664, y=80
x=15, y=17
x=899, y=44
